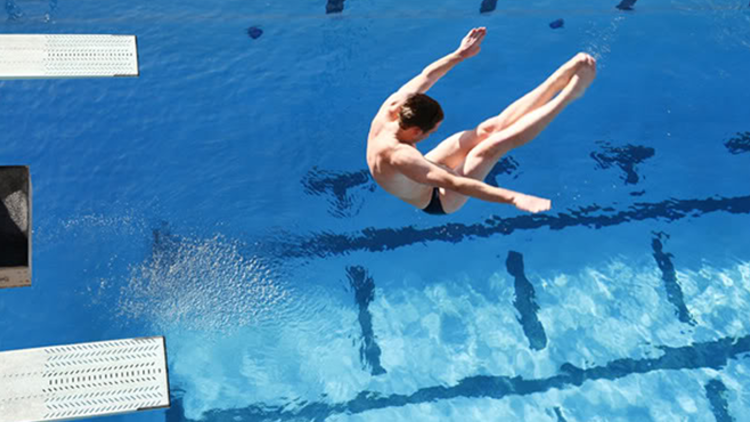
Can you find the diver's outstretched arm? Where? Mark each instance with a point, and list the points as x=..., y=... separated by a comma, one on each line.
x=470, y=46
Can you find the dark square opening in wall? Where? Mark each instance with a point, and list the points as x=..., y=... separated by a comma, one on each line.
x=15, y=225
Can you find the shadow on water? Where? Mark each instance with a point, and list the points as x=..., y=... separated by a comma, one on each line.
x=340, y=187
x=739, y=144
x=625, y=157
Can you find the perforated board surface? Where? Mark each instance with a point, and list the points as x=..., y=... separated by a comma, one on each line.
x=67, y=56
x=83, y=380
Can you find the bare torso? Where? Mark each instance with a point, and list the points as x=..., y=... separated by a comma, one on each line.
x=381, y=144
x=452, y=166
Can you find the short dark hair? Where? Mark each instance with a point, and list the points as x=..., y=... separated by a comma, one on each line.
x=421, y=111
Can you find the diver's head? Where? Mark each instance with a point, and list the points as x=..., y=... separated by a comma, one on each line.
x=419, y=117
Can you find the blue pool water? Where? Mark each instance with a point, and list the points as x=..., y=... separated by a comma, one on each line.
x=221, y=200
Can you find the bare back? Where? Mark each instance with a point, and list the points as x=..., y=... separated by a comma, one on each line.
x=382, y=143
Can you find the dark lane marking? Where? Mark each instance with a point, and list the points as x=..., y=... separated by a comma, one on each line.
x=488, y=6
x=557, y=24
x=254, y=32
x=335, y=6
x=594, y=216
x=364, y=293
x=626, y=4
x=715, y=392
x=560, y=417
x=669, y=275
x=711, y=354
x=525, y=303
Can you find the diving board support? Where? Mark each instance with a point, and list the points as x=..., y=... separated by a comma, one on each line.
x=15, y=226
x=42, y=56
x=84, y=380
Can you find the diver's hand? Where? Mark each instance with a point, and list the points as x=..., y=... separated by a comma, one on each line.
x=471, y=44
x=531, y=203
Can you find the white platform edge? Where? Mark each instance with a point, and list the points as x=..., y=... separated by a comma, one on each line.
x=37, y=52
x=43, y=384
x=20, y=276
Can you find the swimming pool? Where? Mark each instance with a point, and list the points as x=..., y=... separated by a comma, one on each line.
x=221, y=200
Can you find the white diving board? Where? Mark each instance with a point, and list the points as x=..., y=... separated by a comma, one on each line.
x=35, y=56
x=83, y=380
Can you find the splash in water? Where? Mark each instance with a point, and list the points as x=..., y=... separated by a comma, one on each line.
x=200, y=284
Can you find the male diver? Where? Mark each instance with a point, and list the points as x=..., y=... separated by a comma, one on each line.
x=441, y=181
